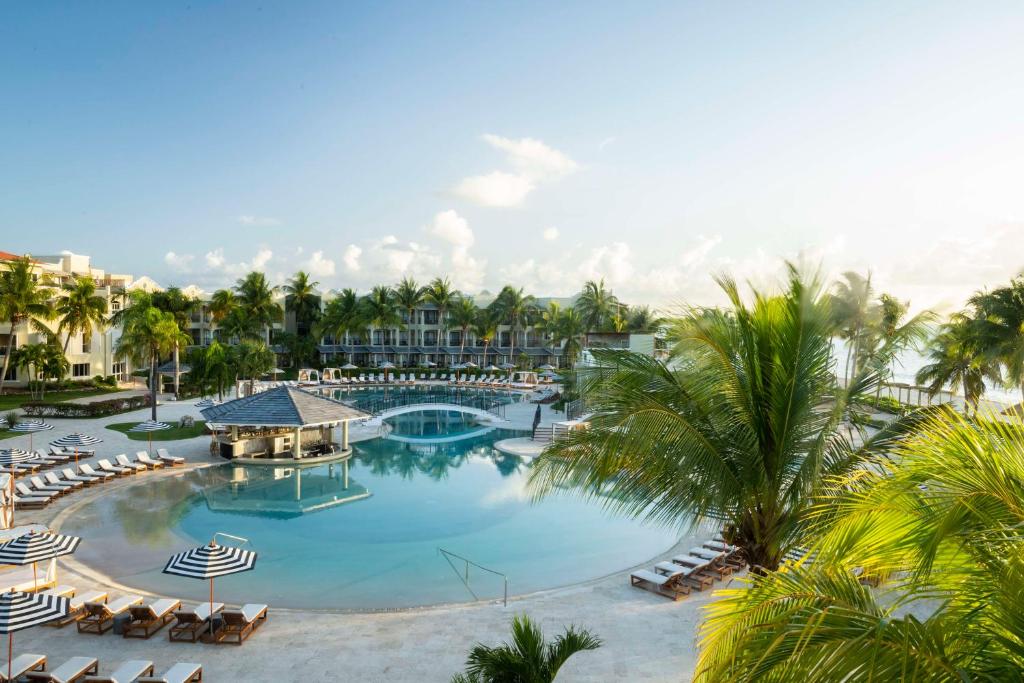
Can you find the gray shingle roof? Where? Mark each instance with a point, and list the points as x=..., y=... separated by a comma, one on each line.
x=282, y=407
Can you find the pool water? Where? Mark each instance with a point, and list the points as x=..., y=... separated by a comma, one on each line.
x=368, y=538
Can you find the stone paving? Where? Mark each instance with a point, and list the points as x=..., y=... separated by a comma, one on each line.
x=646, y=637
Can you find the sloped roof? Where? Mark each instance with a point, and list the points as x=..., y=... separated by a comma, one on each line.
x=282, y=407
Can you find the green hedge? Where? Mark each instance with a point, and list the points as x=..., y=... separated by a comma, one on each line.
x=94, y=409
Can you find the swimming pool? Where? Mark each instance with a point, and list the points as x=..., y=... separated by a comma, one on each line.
x=370, y=540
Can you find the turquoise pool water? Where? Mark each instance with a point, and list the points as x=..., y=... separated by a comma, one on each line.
x=370, y=541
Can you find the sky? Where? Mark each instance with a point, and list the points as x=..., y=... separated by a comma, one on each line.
x=541, y=144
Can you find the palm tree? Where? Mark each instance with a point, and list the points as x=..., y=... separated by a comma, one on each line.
x=78, y=309
x=33, y=359
x=463, y=315
x=222, y=303
x=343, y=316
x=643, y=319
x=409, y=295
x=851, y=304
x=597, y=305
x=256, y=297
x=998, y=324
x=252, y=358
x=940, y=521
x=958, y=362
x=484, y=328
x=440, y=293
x=380, y=311
x=302, y=299
x=238, y=324
x=892, y=332
x=741, y=427
x=147, y=333
x=573, y=332
x=217, y=367
x=514, y=308
x=23, y=299
x=175, y=302
x=528, y=658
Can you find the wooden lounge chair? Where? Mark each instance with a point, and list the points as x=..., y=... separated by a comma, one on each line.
x=670, y=585
x=240, y=623
x=717, y=557
x=193, y=622
x=182, y=672
x=52, y=479
x=696, y=570
x=87, y=479
x=99, y=616
x=87, y=469
x=733, y=553
x=31, y=502
x=126, y=672
x=170, y=460
x=123, y=461
x=21, y=665
x=25, y=493
x=143, y=457
x=148, y=619
x=42, y=487
x=61, y=591
x=74, y=669
x=82, y=452
x=76, y=609
x=107, y=466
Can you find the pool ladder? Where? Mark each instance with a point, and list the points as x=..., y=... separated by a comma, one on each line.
x=464, y=574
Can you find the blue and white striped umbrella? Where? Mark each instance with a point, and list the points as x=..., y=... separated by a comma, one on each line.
x=150, y=426
x=31, y=426
x=210, y=561
x=36, y=547
x=9, y=456
x=207, y=403
x=76, y=440
x=19, y=611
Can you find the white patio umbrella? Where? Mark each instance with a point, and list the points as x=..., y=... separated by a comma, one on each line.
x=547, y=366
x=19, y=611
x=35, y=547
x=76, y=441
x=507, y=366
x=30, y=427
x=491, y=368
x=150, y=426
x=210, y=561
x=386, y=366
x=8, y=457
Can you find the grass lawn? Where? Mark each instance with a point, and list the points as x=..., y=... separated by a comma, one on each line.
x=172, y=434
x=13, y=401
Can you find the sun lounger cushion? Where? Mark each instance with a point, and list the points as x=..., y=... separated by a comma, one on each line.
x=79, y=601
x=22, y=664
x=125, y=672
x=71, y=670
x=181, y=672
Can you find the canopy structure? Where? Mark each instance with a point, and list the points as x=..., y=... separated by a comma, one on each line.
x=284, y=424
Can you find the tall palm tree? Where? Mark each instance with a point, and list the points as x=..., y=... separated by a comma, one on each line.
x=484, y=328
x=742, y=427
x=408, y=296
x=23, y=299
x=343, y=317
x=547, y=321
x=597, y=305
x=302, y=299
x=238, y=324
x=181, y=306
x=79, y=309
x=222, y=303
x=256, y=297
x=528, y=658
x=380, y=311
x=251, y=359
x=440, y=293
x=147, y=334
x=643, y=319
x=463, y=315
x=998, y=324
x=515, y=309
x=958, y=362
x=573, y=332
x=940, y=522
x=851, y=304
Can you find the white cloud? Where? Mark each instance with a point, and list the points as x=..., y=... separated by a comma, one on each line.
x=259, y=261
x=351, y=257
x=319, y=266
x=551, y=234
x=179, y=262
x=258, y=221
x=697, y=254
x=604, y=143
x=533, y=161
x=496, y=189
x=612, y=262
x=453, y=228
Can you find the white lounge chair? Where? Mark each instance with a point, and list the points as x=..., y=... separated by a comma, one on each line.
x=99, y=616
x=672, y=585
x=72, y=670
x=171, y=460
x=148, y=619
x=697, y=569
x=143, y=457
x=76, y=609
x=86, y=479
x=21, y=665
x=87, y=469
x=240, y=623
x=182, y=672
x=39, y=485
x=123, y=461
x=62, y=591
x=33, y=502
x=193, y=622
x=54, y=480
x=106, y=466
x=126, y=672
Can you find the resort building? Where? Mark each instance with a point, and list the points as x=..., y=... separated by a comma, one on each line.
x=90, y=355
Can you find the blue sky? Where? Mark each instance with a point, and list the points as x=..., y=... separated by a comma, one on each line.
x=538, y=143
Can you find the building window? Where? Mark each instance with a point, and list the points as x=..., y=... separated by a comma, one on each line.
x=115, y=305
x=120, y=370
x=4, y=340
x=430, y=317
x=80, y=370
x=86, y=344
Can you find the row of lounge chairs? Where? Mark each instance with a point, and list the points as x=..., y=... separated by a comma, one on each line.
x=697, y=569
x=33, y=667
x=42, y=489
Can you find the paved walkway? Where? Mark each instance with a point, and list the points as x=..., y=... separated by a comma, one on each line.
x=646, y=637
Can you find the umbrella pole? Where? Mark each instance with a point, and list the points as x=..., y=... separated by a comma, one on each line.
x=35, y=579
x=10, y=653
x=76, y=460
x=211, y=610
x=10, y=496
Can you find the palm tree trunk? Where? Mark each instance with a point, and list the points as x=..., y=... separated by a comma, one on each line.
x=512, y=349
x=7, y=355
x=177, y=374
x=152, y=384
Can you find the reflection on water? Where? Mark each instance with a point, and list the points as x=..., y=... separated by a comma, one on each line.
x=280, y=491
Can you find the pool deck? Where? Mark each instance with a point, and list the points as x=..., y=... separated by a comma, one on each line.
x=646, y=637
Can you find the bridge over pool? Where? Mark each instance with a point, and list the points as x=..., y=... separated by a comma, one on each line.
x=482, y=404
